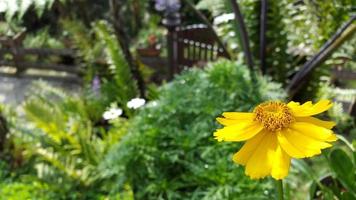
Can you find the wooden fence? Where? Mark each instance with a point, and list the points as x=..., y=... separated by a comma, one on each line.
x=191, y=45
x=13, y=54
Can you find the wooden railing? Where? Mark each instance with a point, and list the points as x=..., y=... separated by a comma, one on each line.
x=13, y=54
x=196, y=43
x=190, y=45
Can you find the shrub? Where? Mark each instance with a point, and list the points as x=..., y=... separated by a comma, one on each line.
x=170, y=152
x=65, y=144
x=20, y=191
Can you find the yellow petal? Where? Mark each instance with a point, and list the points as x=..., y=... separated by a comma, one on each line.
x=296, y=105
x=289, y=148
x=332, y=138
x=308, y=109
x=281, y=164
x=318, y=122
x=306, y=145
x=238, y=132
x=247, y=150
x=307, y=105
x=260, y=163
x=311, y=130
x=293, y=104
x=239, y=115
x=228, y=122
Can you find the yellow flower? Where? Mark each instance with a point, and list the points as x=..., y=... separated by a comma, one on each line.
x=275, y=133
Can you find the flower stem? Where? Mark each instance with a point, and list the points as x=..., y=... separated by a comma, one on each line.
x=279, y=188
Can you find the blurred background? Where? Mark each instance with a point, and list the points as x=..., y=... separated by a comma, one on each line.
x=117, y=99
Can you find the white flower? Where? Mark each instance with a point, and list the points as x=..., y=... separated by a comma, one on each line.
x=223, y=18
x=113, y=113
x=136, y=103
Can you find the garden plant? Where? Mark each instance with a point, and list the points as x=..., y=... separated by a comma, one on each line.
x=177, y=99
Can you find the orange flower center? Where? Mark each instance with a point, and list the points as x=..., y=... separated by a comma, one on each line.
x=274, y=116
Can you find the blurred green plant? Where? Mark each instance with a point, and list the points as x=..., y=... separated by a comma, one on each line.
x=42, y=39
x=122, y=87
x=103, y=57
x=66, y=144
x=22, y=190
x=295, y=31
x=341, y=182
x=18, y=8
x=344, y=170
x=346, y=124
x=90, y=49
x=169, y=152
x=278, y=60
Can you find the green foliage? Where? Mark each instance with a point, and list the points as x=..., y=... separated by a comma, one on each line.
x=344, y=169
x=21, y=191
x=90, y=49
x=170, y=152
x=309, y=178
x=122, y=87
x=18, y=8
x=66, y=144
x=83, y=38
x=9, y=29
x=311, y=23
x=139, y=16
x=42, y=39
x=340, y=184
x=218, y=5
x=278, y=61
x=345, y=122
x=295, y=31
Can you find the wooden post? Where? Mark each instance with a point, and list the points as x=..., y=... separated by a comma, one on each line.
x=352, y=109
x=3, y=132
x=171, y=21
x=263, y=24
x=172, y=61
x=16, y=44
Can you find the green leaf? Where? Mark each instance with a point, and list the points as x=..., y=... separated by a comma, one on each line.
x=312, y=190
x=347, y=196
x=122, y=84
x=303, y=166
x=344, y=169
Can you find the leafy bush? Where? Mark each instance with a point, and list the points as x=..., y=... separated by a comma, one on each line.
x=170, y=152
x=121, y=87
x=21, y=191
x=346, y=124
x=19, y=8
x=67, y=145
x=295, y=30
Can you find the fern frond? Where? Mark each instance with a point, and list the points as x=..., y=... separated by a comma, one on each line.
x=63, y=137
x=125, y=86
x=18, y=8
